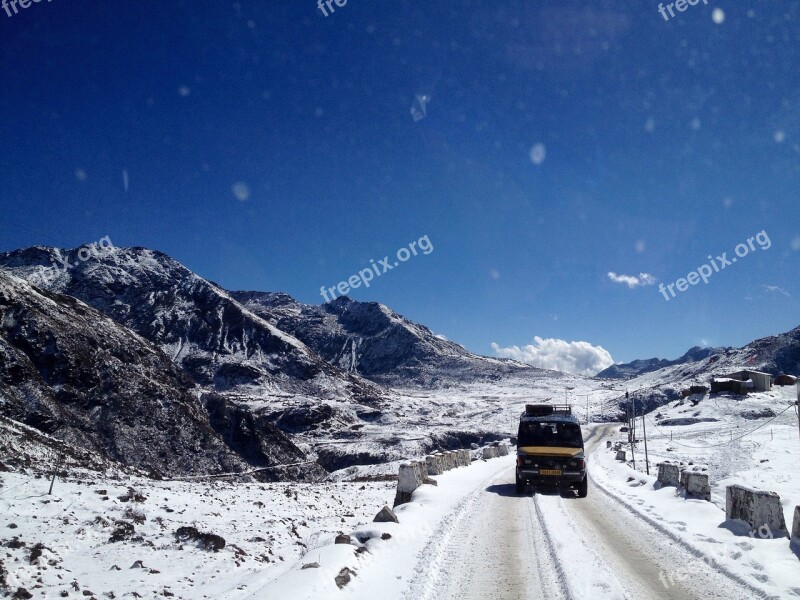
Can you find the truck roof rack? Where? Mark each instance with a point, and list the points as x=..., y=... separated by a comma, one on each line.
x=546, y=410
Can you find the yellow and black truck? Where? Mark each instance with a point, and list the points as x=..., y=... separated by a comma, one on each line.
x=550, y=449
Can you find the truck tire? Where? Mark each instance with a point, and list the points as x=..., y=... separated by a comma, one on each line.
x=520, y=486
x=583, y=487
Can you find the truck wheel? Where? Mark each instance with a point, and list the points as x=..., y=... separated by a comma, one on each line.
x=583, y=487
x=520, y=486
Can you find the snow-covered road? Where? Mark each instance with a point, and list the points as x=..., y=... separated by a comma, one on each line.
x=504, y=546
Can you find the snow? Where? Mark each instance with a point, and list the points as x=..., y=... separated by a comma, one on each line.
x=757, y=453
x=266, y=527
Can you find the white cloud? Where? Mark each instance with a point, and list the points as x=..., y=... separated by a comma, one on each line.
x=774, y=289
x=579, y=358
x=796, y=243
x=632, y=281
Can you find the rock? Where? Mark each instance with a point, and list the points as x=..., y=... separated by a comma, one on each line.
x=408, y=478
x=314, y=565
x=759, y=508
x=12, y=525
x=696, y=483
x=386, y=515
x=207, y=541
x=21, y=594
x=669, y=473
x=429, y=481
x=796, y=523
x=402, y=498
x=343, y=578
x=122, y=531
x=621, y=455
x=434, y=466
x=137, y=565
x=386, y=536
x=342, y=539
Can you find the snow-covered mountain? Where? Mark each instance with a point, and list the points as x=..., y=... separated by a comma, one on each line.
x=256, y=366
x=205, y=331
x=131, y=345
x=372, y=340
x=648, y=365
x=73, y=373
x=776, y=354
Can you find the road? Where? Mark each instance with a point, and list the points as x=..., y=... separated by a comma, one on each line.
x=508, y=547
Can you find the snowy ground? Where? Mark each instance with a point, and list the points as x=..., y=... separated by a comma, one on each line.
x=407, y=426
x=61, y=543
x=469, y=537
x=741, y=443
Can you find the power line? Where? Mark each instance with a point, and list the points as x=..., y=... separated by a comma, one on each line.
x=733, y=439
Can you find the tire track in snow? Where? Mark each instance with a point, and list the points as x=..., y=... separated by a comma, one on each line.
x=551, y=549
x=686, y=546
x=643, y=519
x=432, y=567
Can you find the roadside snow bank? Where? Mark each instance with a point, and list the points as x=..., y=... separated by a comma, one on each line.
x=761, y=558
x=384, y=558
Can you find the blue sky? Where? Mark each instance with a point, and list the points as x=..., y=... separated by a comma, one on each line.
x=269, y=147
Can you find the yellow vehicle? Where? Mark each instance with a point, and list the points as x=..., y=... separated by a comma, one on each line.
x=550, y=449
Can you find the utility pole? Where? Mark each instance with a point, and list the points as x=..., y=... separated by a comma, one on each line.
x=587, y=409
x=628, y=410
x=644, y=431
x=633, y=442
x=55, y=472
x=797, y=404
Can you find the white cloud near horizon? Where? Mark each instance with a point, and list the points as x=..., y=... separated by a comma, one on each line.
x=774, y=289
x=578, y=358
x=632, y=281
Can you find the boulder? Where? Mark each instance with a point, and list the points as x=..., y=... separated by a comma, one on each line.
x=386, y=515
x=342, y=539
x=343, y=578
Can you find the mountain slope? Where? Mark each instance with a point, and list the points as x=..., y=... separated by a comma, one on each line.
x=774, y=354
x=370, y=339
x=73, y=373
x=202, y=328
x=641, y=366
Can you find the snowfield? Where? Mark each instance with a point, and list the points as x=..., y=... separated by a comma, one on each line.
x=62, y=543
x=468, y=537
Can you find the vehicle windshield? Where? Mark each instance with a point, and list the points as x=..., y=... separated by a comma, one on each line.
x=565, y=435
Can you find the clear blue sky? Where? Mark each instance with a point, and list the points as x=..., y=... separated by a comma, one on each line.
x=664, y=142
